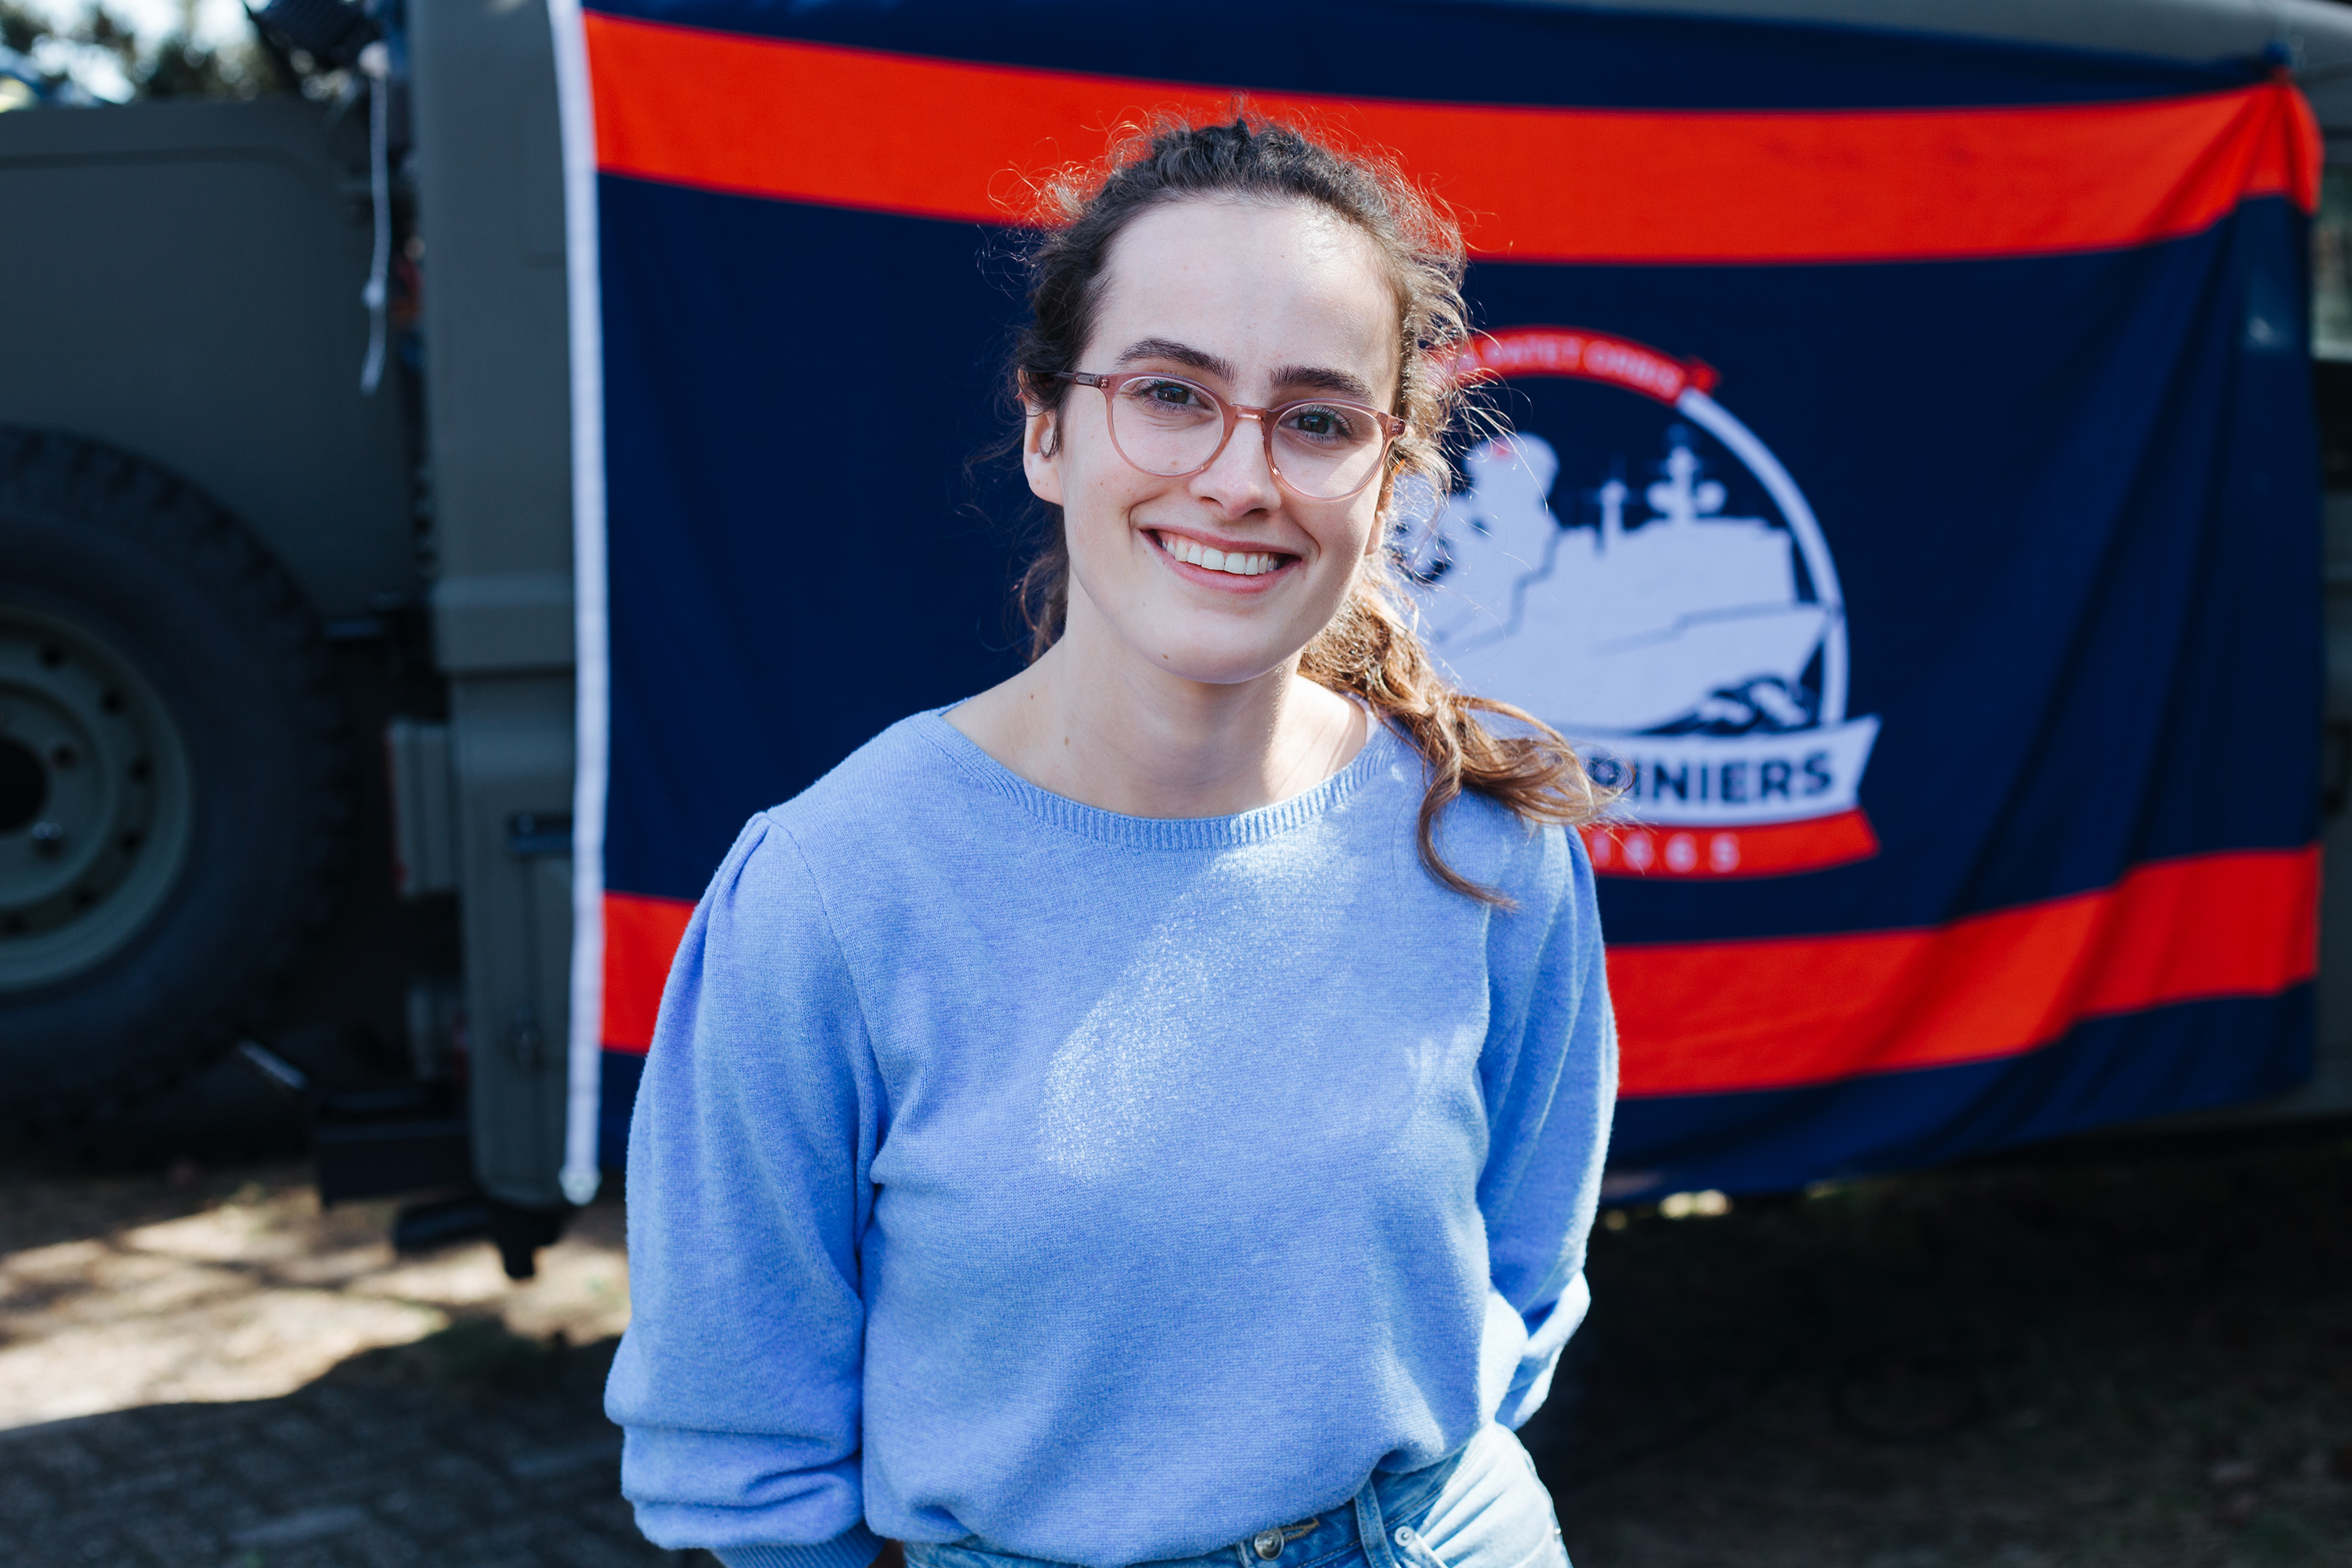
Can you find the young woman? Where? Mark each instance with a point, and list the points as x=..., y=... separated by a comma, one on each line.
x=1154, y=1108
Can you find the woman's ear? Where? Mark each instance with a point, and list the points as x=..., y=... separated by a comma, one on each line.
x=1041, y=456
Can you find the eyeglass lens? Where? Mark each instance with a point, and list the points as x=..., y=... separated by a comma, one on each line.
x=1167, y=426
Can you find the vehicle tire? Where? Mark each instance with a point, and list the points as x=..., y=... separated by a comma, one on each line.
x=173, y=785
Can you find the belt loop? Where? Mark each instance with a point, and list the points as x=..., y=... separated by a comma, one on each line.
x=1372, y=1529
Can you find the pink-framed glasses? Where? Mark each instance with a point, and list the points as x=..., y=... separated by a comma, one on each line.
x=1324, y=448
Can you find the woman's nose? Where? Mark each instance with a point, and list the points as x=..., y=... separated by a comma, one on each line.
x=1242, y=479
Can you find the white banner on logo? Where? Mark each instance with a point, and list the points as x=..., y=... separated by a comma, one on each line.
x=1718, y=781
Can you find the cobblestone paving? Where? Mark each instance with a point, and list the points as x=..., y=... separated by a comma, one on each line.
x=203, y=1369
x=474, y=1447
x=2141, y=1367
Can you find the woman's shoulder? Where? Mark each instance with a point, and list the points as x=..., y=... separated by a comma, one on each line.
x=907, y=769
x=846, y=825
x=902, y=798
x=1538, y=866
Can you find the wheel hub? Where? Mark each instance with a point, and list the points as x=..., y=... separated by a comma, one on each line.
x=94, y=799
x=24, y=784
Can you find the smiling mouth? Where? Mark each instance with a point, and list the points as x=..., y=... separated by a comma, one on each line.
x=1236, y=562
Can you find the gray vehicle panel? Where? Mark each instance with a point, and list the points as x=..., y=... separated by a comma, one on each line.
x=490, y=204
x=183, y=279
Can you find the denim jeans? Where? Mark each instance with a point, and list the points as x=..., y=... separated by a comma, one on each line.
x=1481, y=1507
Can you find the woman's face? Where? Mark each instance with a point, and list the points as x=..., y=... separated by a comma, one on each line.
x=1263, y=304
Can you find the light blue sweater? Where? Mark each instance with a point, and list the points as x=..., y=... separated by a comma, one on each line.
x=1105, y=1187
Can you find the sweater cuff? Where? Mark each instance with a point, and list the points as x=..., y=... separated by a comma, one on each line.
x=852, y=1548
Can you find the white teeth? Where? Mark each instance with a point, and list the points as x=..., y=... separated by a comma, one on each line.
x=1237, y=563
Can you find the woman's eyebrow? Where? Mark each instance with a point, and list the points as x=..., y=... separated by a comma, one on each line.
x=1182, y=353
x=1338, y=382
x=1316, y=378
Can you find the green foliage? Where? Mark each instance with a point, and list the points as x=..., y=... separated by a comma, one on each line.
x=20, y=29
x=182, y=68
x=174, y=66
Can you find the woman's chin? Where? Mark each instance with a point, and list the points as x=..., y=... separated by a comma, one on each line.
x=1211, y=662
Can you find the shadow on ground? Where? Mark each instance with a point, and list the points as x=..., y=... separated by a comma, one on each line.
x=2132, y=1365
x=473, y=1446
x=204, y=1369
x=118, y=1291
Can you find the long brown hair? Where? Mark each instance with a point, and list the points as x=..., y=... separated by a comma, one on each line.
x=1370, y=649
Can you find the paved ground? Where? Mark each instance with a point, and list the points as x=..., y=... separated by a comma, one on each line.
x=2130, y=1366
x=209, y=1373
x=2143, y=1364
x=374, y=1464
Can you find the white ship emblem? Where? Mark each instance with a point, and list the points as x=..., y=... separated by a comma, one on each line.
x=1700, y=657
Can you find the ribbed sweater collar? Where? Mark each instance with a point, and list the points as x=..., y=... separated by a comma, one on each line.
x=1160, y=832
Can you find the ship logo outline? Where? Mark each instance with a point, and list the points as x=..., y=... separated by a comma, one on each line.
x=1698, y=659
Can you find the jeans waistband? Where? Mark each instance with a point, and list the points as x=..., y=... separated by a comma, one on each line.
x=1386, y=1501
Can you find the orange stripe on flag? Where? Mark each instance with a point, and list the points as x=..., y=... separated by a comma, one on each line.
x=1708, y=1018
x=951, y=138
x=641, y=936
x=1702, y=1017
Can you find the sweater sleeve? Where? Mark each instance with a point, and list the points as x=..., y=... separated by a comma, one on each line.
x=737, y=1385
x=1549, y=1074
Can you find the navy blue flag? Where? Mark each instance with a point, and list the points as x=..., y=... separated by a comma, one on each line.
x=1911, y=498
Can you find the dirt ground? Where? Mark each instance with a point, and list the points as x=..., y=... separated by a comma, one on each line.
x=202, y=1369
x=2133, y=1365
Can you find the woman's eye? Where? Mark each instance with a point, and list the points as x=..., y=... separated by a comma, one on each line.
x=1175, y=394
x=1323, y=424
